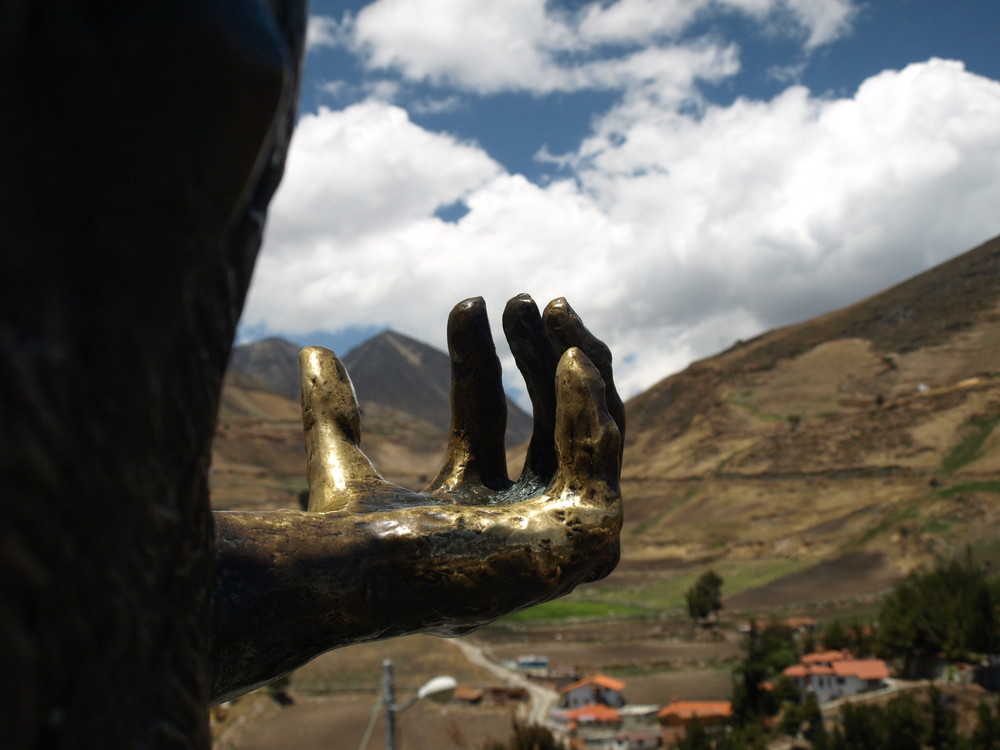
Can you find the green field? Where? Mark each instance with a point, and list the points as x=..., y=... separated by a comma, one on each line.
x=662, y=597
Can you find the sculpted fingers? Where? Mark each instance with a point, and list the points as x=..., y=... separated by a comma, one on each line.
x=331, y=420
x=588, y=444
x=566, y=329
x=475, y=457
x=537, y=360
x=587, y=439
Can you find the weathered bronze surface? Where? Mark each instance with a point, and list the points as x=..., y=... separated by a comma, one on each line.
x=370, y=559
x=143, y=143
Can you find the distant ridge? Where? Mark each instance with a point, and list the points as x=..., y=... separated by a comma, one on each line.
x=272, y=362
x=388, y=370
x=394, y=370
x=923, y=311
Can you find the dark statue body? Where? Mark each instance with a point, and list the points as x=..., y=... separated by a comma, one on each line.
x=143, y=145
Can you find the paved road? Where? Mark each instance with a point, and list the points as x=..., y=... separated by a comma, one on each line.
x=543, y=700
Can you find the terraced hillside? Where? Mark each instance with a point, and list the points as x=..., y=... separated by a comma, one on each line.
x=825, y=459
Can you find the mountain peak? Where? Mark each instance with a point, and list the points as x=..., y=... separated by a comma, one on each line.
x=394, y=369
x=273, y=362
x=390, y=369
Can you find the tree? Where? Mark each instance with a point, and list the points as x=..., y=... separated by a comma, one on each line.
x=906, y=725
x=863, y=727
x=777, y=647
x=768, y=651
x=862, y=637
x=815, y=730
x=949, y=610
x=834, y=635
x=704, y=598
x=786, y=691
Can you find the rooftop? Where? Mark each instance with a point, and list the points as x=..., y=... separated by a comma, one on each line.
x=598, y=679
x=700, y=709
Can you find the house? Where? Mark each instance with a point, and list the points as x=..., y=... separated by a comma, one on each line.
x=594, y=690
x=533, y=665
x=826, y=657
x=596, y=713
x=590, y=716
x=677, y=717
x=834, y=674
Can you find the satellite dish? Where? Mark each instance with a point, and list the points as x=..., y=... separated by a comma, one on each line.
x=439, y=689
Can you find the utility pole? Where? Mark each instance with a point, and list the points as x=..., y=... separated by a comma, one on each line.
x=389, y=704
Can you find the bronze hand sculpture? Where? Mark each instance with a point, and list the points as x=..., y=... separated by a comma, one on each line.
x=370, y=559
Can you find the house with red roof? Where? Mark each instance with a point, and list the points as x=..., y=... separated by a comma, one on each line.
x=596, y=713
x=597, y=689
x=595, y=716
x=834, y=674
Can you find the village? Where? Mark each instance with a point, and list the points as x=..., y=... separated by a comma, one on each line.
x=593, y=711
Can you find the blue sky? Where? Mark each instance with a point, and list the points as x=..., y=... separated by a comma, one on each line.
x=686, y=172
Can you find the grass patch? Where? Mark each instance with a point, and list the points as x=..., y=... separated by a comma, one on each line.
x=741, y=576
x=971, y=446
x=739, y=400
x=563, y=609
x=907, y=512
x=737, y=576
x=983, y=485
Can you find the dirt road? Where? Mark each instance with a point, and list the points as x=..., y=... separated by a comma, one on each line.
x=543, y=700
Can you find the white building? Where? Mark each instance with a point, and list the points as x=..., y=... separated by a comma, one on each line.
x=834, y=674
x=606, y=691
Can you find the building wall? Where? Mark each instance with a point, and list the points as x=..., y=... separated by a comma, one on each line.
x=589, y=694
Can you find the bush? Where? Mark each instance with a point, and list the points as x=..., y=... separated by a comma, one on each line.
x=950, y=610
x=705, y=597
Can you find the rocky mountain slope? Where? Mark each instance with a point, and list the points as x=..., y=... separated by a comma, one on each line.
x=830, y=456
x=272, y=362
x=395, y=371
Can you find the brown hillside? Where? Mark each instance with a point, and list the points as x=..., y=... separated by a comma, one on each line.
x=864, y=436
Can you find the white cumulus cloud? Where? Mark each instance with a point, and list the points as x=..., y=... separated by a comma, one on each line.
x=674, y=234
x=491, y=46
